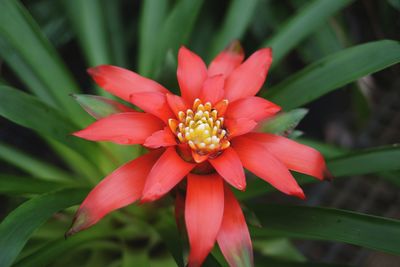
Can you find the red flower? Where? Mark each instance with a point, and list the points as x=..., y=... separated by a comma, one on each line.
x=207, y=135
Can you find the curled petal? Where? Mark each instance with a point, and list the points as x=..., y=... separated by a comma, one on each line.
x=295, y=156
x=228, y=165
x=257, y=159
x=213, y=89
x=192, y=72
x=122, y=82
x=239, y=126
x=120, y=188
x=234, y=237
x=161, y=138
x=252, y=108
x=203, y=214
x=227, y=60
x=247, y=79
x=154, y=103
x=122, y=128
x=167, y=172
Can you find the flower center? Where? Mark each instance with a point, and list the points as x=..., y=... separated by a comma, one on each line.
x=201, y=128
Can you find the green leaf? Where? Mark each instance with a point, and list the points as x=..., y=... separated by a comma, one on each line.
x=278, y=248
x=56, y=249
x=272, y=262
x=356, y=163
x=100, y=107
x=236, y=21
x=18, y=226
x=116, y=31
x=87, y=18
x=31, y=164
x=135, y=258
x=305, y=22
x=176, y=30
x=367, y=161
x=19, y=185
x=329, y=224
x=333, y=72
x=41, y=118
x=284, y=123
x=152, y=16
x=327, y=150
x=20, y=34
x=168, y=231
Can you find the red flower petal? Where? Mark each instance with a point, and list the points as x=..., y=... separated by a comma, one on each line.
x=252, y=108
x=161, y=138
x=122, y=82
x=295, y=156
x=176, y=103
x=122, y=128
x=257, y=159
x=167, y=172
x=233, y=237
x=247, y=79
x=203, y=214
x=120, y=188
x=154, y=103
x=213, y=89
x=227, y=60
x=239, y=126
x=192, y=72
x=228, y=165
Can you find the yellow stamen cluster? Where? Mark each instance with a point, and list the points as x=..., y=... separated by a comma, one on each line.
x=201, y=128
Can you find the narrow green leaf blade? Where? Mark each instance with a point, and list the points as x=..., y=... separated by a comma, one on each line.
x=152, y=16
x=31, y=164
x=19, y=225
x=284, y=123
x=368, y=161
x=19, y=185
x=42, y=118
x=329, y=224
x=168, y=231
x=176, y=30
x=334, y=72
x=87, y=18
x=347, y=164
x=305, y=22
x=236, y=21
x=20, y=33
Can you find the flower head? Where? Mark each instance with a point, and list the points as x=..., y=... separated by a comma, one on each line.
x=208, y=134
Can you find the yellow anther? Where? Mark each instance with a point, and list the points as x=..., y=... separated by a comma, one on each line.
x=181, y=115
x=201, y=128
x=189, y=113
x=196, y=103
x=207, y=106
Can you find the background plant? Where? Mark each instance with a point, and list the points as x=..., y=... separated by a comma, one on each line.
x=319, y=46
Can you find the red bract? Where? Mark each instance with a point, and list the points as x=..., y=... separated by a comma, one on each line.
x=208, y=134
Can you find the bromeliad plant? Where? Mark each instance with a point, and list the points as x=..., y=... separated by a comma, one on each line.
x=184, y=151
x=208, y=134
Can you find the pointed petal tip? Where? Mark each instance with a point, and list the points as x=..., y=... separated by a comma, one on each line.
x=327, y=175
x=300, y=194
x=235, y=47
x=78, y=134
x=79, y=223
